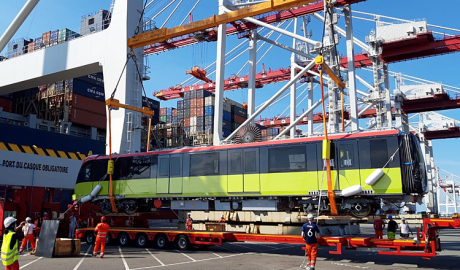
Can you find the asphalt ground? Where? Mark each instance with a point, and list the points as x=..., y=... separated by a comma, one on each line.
x=246, y=255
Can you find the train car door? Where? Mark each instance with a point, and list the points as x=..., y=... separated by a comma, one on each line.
x=251, y=178
x=163, y=174
x=347, y=163
x=235, y=171
x=175, y=174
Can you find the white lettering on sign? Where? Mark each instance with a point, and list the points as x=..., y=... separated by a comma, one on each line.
x=34, y=166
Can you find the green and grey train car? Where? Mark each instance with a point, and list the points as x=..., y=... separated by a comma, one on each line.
x=267, y=176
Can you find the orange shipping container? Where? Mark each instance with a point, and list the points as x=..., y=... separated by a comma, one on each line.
x=46, y=38
x=193, y=103
x=87, y=118
x=87, y=104
x=192, y=112
x=199, y=111
x=31, y=47
x=199, y=102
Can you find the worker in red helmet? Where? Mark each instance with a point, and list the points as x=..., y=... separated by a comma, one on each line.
x=101, y=231
x=189, y=223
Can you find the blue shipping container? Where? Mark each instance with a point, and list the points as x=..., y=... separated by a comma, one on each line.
x=200, y=121
x=226, y=132
x=38, y=43
x=209, y=119
x=187, y=129
x=227, y=116
x=226, y=125
x=199, y=128
x=86, y=89
x=54, y=37
x=209, y=128
x=209, y=110
x=95, y=78
x=174, y=119
x=168, y=119
x=180, y=104
x=239, y=111
x=187, y=104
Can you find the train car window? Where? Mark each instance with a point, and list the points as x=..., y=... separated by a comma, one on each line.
x=139, y=167
x=99, y=169
x=346, y=156
x=175, y=166
x=85, y=173
x=287, y=159
x=379, y=152
x=250, y=165
x=235, y=163
x=164, y=166
x=204, y=164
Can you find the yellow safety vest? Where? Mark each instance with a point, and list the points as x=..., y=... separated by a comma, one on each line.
x=9, y=256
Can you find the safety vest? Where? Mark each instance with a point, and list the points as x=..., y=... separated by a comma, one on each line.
x=9, y=256
x=102, y=230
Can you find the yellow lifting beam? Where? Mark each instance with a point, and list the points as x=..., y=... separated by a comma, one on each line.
x=163, y=34
x=115, y=105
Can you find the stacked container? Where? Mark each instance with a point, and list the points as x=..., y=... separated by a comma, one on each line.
x=168, y=115
x=18, y=47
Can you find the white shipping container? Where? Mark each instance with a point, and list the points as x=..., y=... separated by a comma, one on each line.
x=193, y=121
x=209, y=101
x=227, y=107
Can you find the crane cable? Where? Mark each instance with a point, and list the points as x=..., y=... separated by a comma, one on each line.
x=110, y=166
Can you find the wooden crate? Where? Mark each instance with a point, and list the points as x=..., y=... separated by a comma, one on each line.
x=67, y=247
x=216, y=227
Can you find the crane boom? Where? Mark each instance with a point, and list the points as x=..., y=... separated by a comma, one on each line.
x=161, y=35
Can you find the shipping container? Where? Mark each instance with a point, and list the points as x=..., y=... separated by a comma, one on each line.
x=209, y=101
x=174, y=112
x=199, y=129
x=153, y=105
x=238, y=119
x=38, y=43
x=226, y=132
x=200, y=111
x=209, y=110
x=193, y=94
x=85, y=89
x=186, y=104
x=174, y=119
x=226, y=125
x=31, y=47
x=187, y=122
x=54, y=37
x=193, y=103
x=192, y=129
x=235, y=126
x=186, y=113
x=209, y=128
x=87, y=104
x=46, y=38
x=202, y=93
x=87, y=118
x=239, y=111
x=180, y=114
x=187, y=129
x=180, y=104
x=65, y=34
x=169, y=110
x=193, y=121
x=227, y=107
x=17, y=47
x=199, y=102
x=227, y=116
x=6, y=104
x=209, y=120
x=162, y=111
x=200, y=121
x=187, y=95
x=168, y=119
x=192, y=112
x=94, y=79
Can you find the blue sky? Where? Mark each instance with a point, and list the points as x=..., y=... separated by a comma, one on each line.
x=168, y=69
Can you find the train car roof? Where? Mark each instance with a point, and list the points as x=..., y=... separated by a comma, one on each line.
x=278, y=142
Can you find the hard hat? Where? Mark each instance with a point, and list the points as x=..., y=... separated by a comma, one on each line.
x=103, y=218
x=28, y=219
x=222, y=216
x=403, y=218
x=310, y=217
x=8, y=221
x=390, y=216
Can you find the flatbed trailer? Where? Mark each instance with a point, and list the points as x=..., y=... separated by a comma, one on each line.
x=424, y=245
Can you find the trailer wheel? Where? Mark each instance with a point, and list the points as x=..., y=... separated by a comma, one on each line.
x=123, y=239
x=142, y=240
x=89, y=237
x=182, y=242
x=161, y=241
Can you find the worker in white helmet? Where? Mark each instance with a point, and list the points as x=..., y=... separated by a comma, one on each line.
x=222, y=219
x=10, y=254
x=28, y=230
x=310, y=233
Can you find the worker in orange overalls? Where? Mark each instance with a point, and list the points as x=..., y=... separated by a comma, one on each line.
x=310, y=232
x=189, y=223
x=101, y=231
x=28, y=229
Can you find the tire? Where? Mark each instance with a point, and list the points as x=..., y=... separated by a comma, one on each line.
x=161, y=241
x=182, y=242
x=90, y=238
x=109, y=239
x=123, y=239
x=142, y=240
